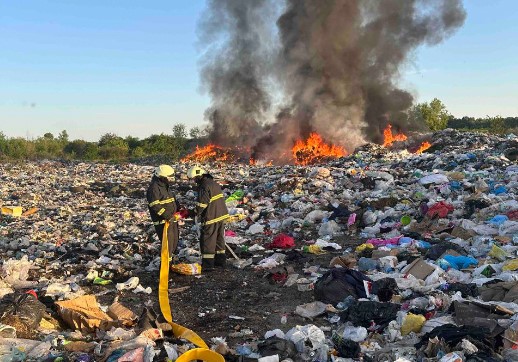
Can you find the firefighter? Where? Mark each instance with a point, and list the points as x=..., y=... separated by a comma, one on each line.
x=163, y=205
x=211, y=212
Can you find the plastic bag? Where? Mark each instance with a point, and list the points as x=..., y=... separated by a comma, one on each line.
x=457, y=262
x=282, y=241
x=498, y=253
x=186, y=269
x=363, y=247
x=356, y=334
x=337, y=284
x=510, y=265
x=277, y=346
x=22, y=311
x=14, y=271
x=412, y=323
x=131, y=283
x=311, y=310
x=236, y=196
x=364, y=312
x=329, y=228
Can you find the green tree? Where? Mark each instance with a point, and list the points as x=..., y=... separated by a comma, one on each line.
x=414, y=114
x=82, y=150
x=3, y=145
x=48, y=147
x=179, y=130
x=138, y=152
x=133, y=142
x=19, y=149
x=195, y=133
x=63, y=136
x=497, y=125
x=166, y=145
x=434, y=114
x=113, y=147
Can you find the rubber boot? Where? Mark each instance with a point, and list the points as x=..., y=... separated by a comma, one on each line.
x=207, y=264
x=220, y=261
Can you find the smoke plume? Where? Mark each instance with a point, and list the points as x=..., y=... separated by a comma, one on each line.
x=235, y=67
x=337, y=64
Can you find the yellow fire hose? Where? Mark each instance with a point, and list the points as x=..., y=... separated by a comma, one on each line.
x=202, y=352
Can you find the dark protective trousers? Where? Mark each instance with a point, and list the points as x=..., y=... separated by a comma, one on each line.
x=173, y=235
x=212, y=241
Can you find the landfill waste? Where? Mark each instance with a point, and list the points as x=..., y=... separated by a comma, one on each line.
x=390, y=255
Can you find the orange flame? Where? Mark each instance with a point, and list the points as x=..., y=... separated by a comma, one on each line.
x=389, y=138
x=314, y=149
x=210, y=152
x=424, y=146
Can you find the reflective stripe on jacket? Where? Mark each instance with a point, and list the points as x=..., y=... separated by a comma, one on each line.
x=161, y=201
x=211, y=206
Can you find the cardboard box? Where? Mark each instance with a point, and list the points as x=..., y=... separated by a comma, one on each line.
x=125, y=316
x=84, y=314
x=376, y=254
x=419, y=269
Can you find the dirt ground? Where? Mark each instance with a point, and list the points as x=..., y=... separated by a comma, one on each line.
x=229, y=302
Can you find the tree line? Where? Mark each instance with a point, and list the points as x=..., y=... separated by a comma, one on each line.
x=436, y=117
x=110, y=147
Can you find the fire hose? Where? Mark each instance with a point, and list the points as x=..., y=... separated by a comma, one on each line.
x=202, y=352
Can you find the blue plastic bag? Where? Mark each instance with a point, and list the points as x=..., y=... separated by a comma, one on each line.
x=455, y=185
x=457, y=262
x=499, y=190
x=498, y=220
x=423, y=244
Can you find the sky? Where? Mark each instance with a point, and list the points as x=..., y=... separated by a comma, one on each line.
x=132, y=67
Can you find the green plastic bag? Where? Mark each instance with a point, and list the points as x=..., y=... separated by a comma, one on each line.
x=236, y=196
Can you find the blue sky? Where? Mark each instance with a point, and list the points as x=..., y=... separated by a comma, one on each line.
x=131, y=67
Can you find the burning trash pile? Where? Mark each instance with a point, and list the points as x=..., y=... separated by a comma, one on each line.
x=304, y=152
x=380, y=255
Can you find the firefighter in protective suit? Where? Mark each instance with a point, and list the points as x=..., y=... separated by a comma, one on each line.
x=163, y=205
x=211, y=212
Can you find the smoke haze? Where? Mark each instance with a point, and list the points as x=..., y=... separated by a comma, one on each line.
x=330, y=66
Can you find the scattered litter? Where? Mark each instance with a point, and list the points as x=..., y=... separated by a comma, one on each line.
x=392, y=255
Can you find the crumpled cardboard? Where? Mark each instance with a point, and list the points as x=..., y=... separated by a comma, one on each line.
x=419, y=269
x=125, y=316
x=84, y=314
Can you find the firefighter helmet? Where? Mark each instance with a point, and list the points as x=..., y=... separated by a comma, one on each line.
x=195, y=171
x=164, y=171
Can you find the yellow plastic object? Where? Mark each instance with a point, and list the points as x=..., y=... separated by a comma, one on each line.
x=235, y=218
x=313, y=249
x=200, y=354
x=498, y=253
x=510, y=265
x=298, y=192
x=203, y=352
x=364, y=247
x=186, y=269
x=12, y=210
x=412, y=323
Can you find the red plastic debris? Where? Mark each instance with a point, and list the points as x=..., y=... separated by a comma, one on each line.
x=282, y=241
x=440, y=209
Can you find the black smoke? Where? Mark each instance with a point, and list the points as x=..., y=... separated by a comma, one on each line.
x=236, y=67
x=337, y=64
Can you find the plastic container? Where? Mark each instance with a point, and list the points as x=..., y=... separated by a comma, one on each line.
x=405, y=220
x=12, y=210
